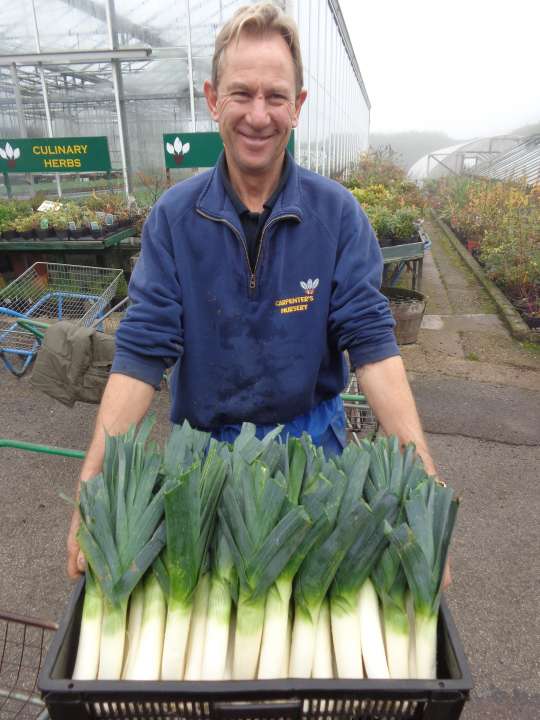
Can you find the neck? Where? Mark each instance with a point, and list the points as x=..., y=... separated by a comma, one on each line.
x=254, y=190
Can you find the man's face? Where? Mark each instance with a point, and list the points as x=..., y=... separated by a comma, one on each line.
x=255, y=102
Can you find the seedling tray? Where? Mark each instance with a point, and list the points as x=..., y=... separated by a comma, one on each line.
x=441, y=699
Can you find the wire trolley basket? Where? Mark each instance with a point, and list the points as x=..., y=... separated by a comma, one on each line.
x=360, y=419
x=23, y=644
x=45, y=292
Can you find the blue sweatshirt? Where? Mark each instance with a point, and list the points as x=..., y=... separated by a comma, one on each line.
x=262, y=344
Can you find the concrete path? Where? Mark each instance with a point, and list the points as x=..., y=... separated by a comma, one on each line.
x=478, y=393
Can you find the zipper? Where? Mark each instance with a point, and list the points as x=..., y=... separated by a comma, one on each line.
x=252, y=270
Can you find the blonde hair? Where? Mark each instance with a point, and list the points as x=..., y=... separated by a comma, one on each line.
x=260, y=19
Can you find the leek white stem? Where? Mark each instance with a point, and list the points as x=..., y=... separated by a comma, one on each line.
x=346, y=636
x=322, y=662
x=87, y=662
x=371, y=633
x=197, y=630
x=176, y=637
x=228, y=672
x=247, y=645
x=135, y=614
x=113, y=634
x=426, y=646
x=147, y=663
x=303, y=642
x=287, y=653
x=274, y=648
x=412, y=635
x=216, y=640
x=396, y=633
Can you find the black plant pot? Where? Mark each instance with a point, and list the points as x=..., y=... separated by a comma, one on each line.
x=9, y=234
x=61, y=233
x=42, y=234
x=533, y=321
x=27, y=234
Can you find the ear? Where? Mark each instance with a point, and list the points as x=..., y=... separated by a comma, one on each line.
x=301, y=98
x=210, y=93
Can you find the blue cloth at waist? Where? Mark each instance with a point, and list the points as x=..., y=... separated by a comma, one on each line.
x=325, y=423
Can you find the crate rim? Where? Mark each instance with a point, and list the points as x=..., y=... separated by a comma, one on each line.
x=222, y=690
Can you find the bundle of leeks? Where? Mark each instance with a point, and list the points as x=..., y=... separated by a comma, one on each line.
x=261, y=559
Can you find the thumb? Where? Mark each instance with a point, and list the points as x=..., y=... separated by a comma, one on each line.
x=81, y=563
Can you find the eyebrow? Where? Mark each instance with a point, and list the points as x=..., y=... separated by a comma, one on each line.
x=235, y=86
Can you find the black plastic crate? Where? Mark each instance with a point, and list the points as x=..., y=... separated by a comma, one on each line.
x=441, y=699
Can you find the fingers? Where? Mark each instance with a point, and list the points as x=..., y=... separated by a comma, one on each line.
x=74, y=556
x=447, y=576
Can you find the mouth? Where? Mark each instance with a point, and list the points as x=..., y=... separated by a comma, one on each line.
x=255, y=140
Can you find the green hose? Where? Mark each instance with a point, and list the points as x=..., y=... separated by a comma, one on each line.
x=46, y=449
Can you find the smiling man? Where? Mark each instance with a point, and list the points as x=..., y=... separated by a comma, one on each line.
x=256, y=276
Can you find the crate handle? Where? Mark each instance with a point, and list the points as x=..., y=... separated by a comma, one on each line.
x=278, y=708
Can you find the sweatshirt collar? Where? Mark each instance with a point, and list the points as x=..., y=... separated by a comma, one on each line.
x=216, y=202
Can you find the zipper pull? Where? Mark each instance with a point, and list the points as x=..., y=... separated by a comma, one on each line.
x=252, y=282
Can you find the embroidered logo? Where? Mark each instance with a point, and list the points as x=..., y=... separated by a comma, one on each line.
x=300, y=303
x=310, y=286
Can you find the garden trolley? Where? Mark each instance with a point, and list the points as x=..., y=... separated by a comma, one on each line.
x=48, y=292
x=24, y=641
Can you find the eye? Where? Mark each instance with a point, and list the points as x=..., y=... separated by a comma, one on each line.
x=240, y=95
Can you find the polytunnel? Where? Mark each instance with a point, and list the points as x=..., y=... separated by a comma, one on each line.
x=461, y=158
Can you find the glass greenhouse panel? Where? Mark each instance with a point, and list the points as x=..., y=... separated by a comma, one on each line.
x=164, y=93
x=71, y=24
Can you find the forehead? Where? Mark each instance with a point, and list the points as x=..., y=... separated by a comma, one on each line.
x=265, y=59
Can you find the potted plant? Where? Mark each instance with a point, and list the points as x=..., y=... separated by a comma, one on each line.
x=27, y=225
x=92, y=223
x=9, y=229
x=42, y=227
x=61, y=224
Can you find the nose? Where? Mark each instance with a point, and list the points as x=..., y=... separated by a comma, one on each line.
x=258, y=116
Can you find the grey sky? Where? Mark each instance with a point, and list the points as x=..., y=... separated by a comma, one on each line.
x=466, y=67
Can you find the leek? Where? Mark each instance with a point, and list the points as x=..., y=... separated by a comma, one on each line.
x=323, y=660
x=135, y=615
x=347, y=513
x=87, y=661
x=121, y=532
x=218, y=621
x=422, y=545
x=197, y=631
x=191, y=501
x=354, y=623
x=391, y=585
x=147, y=662
x=262, y=539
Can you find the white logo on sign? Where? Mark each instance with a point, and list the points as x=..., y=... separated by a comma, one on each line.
x=178, y=149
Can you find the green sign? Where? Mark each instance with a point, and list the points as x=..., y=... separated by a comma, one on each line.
x=54, y=155
x=193, y=150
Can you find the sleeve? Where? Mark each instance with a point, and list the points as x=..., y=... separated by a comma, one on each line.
x=360, y=320
x=150, y=337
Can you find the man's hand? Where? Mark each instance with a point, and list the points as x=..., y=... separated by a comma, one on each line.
x=125, y=402
x=76, y=563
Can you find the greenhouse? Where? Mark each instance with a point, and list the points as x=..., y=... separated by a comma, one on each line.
x=462, y=158
x=132, y=71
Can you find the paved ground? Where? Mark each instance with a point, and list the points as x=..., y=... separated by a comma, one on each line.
x=479, y=396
